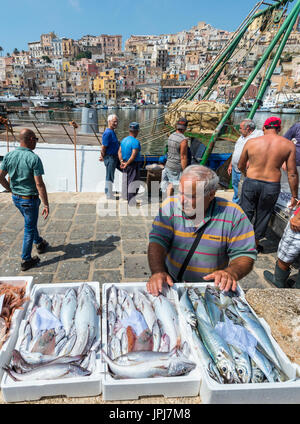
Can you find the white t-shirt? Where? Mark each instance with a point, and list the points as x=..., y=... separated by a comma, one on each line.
x=239, y=145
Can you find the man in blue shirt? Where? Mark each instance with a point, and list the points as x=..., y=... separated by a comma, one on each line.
x=25, y=170
x=129, y=155
x=109, y=153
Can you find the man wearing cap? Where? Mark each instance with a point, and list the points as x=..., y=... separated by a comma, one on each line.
x=248, y=130
x=265, y=156
x=25, y=170
x=177, y=159
x=109, y=153
x=129, y=155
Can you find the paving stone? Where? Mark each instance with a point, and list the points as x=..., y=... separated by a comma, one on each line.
x=79, y=250
x=85, y=219
x=10, y=267
x=86, y=209
x=107, y=277
x=106, y=239
x=56, y=226
x=55, y=240
x=82, y=232
x=15, y=224
x=107, y=211
x=252, y=280
x=108, y=226
x=139, y=247
x=42, y=278
x=133, y=232
x=263, y=262
x=7, y=237
x=136, y=266
x=64, y=213
x=73, y=270
x=108, y=258
x=49, y=262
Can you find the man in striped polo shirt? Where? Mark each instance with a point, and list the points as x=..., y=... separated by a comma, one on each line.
x=226, y=251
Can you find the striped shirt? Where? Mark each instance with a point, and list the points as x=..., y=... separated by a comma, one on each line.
x=173, y=158
x=228, y=235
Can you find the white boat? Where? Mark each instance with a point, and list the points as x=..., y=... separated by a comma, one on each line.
x=41, y=101
x=293, y=110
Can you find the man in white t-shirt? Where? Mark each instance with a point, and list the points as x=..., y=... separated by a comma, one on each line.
x=248, y=130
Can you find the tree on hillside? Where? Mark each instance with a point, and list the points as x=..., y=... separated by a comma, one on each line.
x=16, y=51
x=46, y=59
x=86, y=54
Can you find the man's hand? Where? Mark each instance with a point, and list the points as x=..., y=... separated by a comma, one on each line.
x=293, y=203
x=225, y=280
x=123, y=165
x=154, y=285
x=229, y=170
x=295, y=223
x=45, y=212
x=101, y=158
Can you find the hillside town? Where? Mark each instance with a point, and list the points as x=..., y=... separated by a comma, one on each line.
x=149, y=69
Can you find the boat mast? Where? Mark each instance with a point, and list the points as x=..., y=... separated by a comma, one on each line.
x=284, y=29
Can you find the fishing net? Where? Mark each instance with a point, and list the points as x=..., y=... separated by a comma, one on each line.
x=203, y=116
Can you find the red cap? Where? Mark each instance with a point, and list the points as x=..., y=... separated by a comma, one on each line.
x=273, y=122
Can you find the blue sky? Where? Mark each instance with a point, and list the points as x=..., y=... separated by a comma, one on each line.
x=25, y=20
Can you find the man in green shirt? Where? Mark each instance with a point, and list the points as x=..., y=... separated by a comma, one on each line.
x=25, y=170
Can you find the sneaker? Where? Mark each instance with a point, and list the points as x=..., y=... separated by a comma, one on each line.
x=41, y=248
x=30, y=264
x=260, y=248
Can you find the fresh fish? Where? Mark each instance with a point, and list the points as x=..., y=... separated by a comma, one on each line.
x=111, y=320
x=68, y=346
x=45, y=344
x=27, y=337
x=156, y=337
x=68, y=309
x=49, y=372
x=86, y=321
x=167, y=367
x=164, y=343
x=121, y=296
x=145, y=307
x=128, y=305
x=206, y=359
x=85, y=362
x=120, y=333
x=264, y=364
x=56, y=304
x=257, y=375
x=18, y=361
x=187, y=309
x=33, y=321
x=124, y=343
x=212, y=308
x=95, y=347
x=219, y=351
x=110, y=307
x=185, y=350
x=45, y=302
x=252, y=324
x=242, y=364
x=60, y=334
x=92, y=362
x=201, y=311
x=113, y=295
x=166, y=313
x=115, y=348
x=59, y=346
x=119, y=312
x=194, y=297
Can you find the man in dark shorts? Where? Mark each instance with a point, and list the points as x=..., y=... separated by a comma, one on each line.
x=261, y=187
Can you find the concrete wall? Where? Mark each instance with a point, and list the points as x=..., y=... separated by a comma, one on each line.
x=58, y=161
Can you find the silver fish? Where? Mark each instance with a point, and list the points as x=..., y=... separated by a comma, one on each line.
x=68, y=346
x=18, y=361
x=26, y=337
x=164, y=343
x=49, y=372
x=86, y=322
x=264, y=364
x=256, y=329
x=167, y=367
x=242, y=364
x=56, y=304
x=257, y=375
x=60, y=346
x=92, y=362
x=168, y=317
x=113, y=295
x=60, y=334
x=187, y=309
x=114, y=347
x=68, y=309
x=156, y=337
x=124, y=343
x=111, y=323
x=45, y=302
x=128, y=305
x=119, y=312
x=219, y=351
x=212, y=308
x=201, y=311
x=121, y=296
x=144, y=305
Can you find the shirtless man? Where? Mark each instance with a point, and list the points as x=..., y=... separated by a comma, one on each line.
x=261, y=188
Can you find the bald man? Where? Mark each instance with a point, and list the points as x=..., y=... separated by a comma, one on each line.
x=25, y=170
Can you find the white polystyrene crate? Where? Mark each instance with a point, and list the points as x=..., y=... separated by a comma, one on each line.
x=214, y=392
x=8, y=346
x=18, y=391
x=126, y=389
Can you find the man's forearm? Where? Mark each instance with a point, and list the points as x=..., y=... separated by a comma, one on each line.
x=156, y=258
x=240, y=267
x=103, y=151
x=43, y=194
x=5, y=183
x=294, y=183
x=184, y=162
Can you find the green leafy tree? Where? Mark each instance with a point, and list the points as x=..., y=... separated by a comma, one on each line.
x=46, y=59
x=87, y=54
